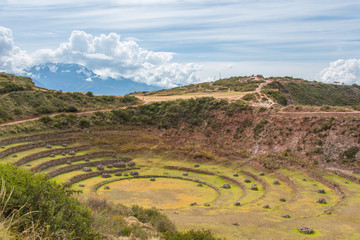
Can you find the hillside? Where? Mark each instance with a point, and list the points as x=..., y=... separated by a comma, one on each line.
x=262, y=91
x=21, y=99
x=243, y=166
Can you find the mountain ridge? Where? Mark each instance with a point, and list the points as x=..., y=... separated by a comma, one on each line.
x=78, y=78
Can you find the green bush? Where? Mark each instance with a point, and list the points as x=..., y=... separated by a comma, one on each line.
x=259, y=127
x=84, y=123
x=4, y=115
x=158, y=220
x=351, y=152
x=249, y=97
x=89, y=94
x=50, y=205
x=192, y=235
x=275, y=95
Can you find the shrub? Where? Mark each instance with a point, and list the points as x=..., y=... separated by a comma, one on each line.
x=158, y=220
x=4, y=115
x=259, y=127
x=351, y=152
x=262, y=109
x=249, y=97
x=275, y=95
x=45, y=119
x=71, y=108
x=50, y=204
x=84, y=123
x=192, y=235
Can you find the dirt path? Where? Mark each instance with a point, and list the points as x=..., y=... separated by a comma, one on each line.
x=51, y=115
x=317, y=114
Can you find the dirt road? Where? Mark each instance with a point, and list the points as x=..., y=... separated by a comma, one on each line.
x=51, y=115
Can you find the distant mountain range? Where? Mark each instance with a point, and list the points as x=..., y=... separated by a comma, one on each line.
x=77, y=78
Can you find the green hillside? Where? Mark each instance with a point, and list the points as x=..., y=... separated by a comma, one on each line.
x=19, y=99
x=313, y=93
x=238, y=84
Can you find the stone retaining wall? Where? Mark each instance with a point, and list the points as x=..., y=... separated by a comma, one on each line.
x=64, y=160
x=48, y=153
x=20, y=148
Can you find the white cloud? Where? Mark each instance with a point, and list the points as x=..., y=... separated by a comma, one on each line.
x=106, y=55
x=12, y=58
x=344, y=71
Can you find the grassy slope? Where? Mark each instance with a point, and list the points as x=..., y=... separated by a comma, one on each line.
x=20, y=99
x=314, y=93
x=238, y=84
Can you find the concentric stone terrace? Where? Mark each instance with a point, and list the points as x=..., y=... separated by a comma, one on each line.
x=196, y=195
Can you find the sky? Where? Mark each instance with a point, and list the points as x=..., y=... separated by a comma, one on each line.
x=177, y=42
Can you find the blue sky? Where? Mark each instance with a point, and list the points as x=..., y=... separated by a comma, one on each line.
x=190, y=40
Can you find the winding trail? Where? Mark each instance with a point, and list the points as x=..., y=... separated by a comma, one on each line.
x=52, y=115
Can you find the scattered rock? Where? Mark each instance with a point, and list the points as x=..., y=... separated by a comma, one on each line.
x=106, y=187
x=14, y=156
x=254, y=187
x=304, y=179
x=193, y=204
x=196, y=165
x=63, y=154
x=346, y=182
x=328, y=213
x=286, y=216
x=119, y=165
x=266, y=206
x=321, y=191
x=126, y=174
x=276, y=182
x=235, y=224
x=262, y=174
x=64, y=145
x=237, y=204
x=207, y=204
x=226, y=186
x=68, y=162
x=247, y=180
x=314, y=184
x=235, y=174
x=72, y=152
x=48, y=146
x=2, y=147
x=321, y=201
x=109, y=166
x=134, y=173
x=152, y=179
x=87, y=169
x=200, y=185
x=28, y=165
x=87, y=159
x=100, y=167
x=282, y=200
x=131, y=164
x=306, y=230
x=106, y=175
x=52, y=155
x=118, y=174
x=81, y=185
x=185, y=174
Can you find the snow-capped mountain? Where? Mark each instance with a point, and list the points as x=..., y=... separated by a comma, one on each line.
x=77, y=78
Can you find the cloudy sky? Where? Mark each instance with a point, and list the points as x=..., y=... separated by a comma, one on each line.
x=172, y=42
